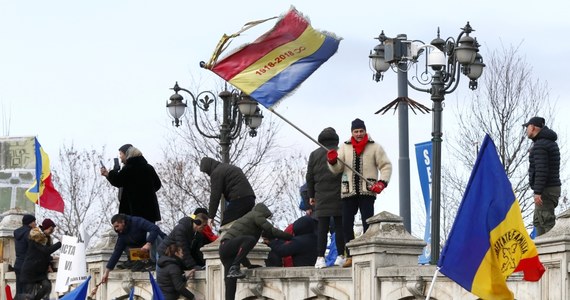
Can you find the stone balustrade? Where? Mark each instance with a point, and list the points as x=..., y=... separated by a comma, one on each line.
x=384, y=267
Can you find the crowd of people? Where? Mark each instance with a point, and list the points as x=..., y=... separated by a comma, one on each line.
x=341, y=180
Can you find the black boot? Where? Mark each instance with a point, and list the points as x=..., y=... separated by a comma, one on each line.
x=235, y=272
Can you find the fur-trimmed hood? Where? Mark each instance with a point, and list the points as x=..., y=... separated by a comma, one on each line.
x=38, y=236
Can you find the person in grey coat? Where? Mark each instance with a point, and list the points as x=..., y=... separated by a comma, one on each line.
x=323, y=188
x=229, y=181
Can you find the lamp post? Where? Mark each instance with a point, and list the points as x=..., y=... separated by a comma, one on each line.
x=237, y=109
x=447, y=59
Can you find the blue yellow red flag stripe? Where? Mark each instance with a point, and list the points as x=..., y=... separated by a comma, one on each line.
x=42, y=192
x=488, y=240
x=279, y=61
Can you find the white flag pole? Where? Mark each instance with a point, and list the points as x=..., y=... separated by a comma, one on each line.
x=432, y=283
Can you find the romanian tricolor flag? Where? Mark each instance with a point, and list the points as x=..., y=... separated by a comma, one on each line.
x=488, y=241
x=42, y=191
x=277, y=62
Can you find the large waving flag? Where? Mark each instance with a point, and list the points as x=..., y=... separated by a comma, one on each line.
x=42, y=192
x=79, y=293
x=488, y=241
x=278, y=61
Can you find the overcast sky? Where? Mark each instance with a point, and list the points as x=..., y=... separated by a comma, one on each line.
x=98, y=72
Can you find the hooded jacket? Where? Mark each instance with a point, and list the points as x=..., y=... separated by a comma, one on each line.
x=544, y=161
x=254, y=223
x=227, y=180
x=183, y=235
x=303, y=246
x=21, y=244
x=38, y=257
x=140, y=184
x=170, y=278
x=322, y=184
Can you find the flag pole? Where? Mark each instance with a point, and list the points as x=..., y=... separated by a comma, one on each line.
x=321, y=145
x=432, y=283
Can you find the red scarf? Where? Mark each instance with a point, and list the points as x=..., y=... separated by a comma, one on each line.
x=359, y=146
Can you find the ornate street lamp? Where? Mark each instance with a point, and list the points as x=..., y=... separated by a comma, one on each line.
x=445, y=61
x=237, y=109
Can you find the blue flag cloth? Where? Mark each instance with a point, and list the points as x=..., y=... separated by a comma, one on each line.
x=132, y=294
x=79, y=293
x=488, y=240
x=156, y=292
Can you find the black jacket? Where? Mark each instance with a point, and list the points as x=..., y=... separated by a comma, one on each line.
x=170, y=278
x=140, y=184
x=303, y=246
x=227, y=180
x=254, y=223
x=21, y=243
x=183, y=235
x=544, y=161
x=38, y=257
x=322, y=184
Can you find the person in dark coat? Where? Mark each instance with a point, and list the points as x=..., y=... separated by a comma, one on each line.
x=34, y=274
x=229, y=181
x=240, y=238
x=170, y=275
x=302, y=247
x=185, y=234
x=543, y=173
x=323, y=189
x=21, y=244
x=203, y=238
x=133, y=232
x=139, y=183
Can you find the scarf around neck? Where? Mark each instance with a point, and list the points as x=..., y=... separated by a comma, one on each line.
x=359, y=146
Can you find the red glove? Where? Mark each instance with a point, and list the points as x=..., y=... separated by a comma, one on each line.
x=332, y=156
x=378, y=187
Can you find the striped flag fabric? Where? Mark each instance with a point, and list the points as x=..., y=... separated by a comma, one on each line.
x=488, y=240
x=43, y=192
x=277, y=62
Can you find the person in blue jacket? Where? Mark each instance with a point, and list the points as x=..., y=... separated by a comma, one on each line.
x=134, y=232
x=302, y=247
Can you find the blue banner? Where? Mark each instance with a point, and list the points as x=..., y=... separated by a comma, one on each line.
x=424, y=157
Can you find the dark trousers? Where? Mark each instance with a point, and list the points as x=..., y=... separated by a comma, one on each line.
x=544, y=217
x=38, y=290
x=350, y=207
x=323, y=229
x=235, y=209
x=19, y=284
x=233, y=252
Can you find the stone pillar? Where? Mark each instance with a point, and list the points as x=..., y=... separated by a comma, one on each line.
x=215, y=269
x=554, y=253
x=385, y=243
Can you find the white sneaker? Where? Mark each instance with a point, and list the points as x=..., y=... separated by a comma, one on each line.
x=321, y=263
x=339, y=261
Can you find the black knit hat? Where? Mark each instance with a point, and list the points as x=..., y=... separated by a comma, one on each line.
x=357, y=124
x=125, y=147
x=28, y=219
